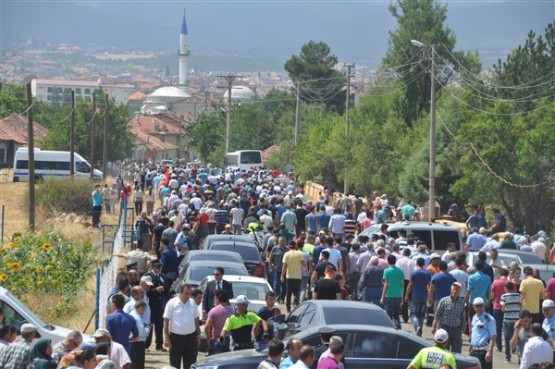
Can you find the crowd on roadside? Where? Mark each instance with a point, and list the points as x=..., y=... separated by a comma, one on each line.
x=313, y=249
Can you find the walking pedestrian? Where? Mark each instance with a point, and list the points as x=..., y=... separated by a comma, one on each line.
x=510, y=304
x=137, y=352
x=450, y=316
x=482, y=338
x=417, y=294
x=393, y=290
x=292, y=265
x=96, y=206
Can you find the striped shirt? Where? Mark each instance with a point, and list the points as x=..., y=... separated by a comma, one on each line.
x=511, y=302
x=350, y=226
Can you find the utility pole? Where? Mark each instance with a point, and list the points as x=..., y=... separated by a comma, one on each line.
x=72, y=136
x=297, y=123
x=93, y=148
x=229, y=78
x=105, y=138
x=432, y=182
x=348, y=66
x=31, y=154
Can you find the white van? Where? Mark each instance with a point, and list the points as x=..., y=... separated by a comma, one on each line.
x=51, y=163
x=15, y=313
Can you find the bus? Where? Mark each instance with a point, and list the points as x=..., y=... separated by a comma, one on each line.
x=51, y=164
x=244, y=160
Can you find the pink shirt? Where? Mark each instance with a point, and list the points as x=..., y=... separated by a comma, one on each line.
x=219, y=314
x=550, y=288
x=498, y=289
x=328, y=363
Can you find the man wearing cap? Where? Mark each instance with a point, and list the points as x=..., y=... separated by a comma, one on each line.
x=18, y=354
x=182, y=328
x=117, y=352
x=548, y=309
x=241, y=324
x=436, y=356
x=157, y=297
x=450, y=316
x=482, y=338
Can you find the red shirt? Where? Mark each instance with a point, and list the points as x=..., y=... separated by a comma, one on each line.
x=498, y=289
x=203, y=218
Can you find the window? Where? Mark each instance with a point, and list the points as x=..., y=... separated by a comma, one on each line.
x=250, y=157
x=11, y=316
x=422, y=235
x=308, y=315
x=82, y=167
x=51, y=165
x=441, y=238
x=408, y=350
x=373, y=345
x=87, y=91
x=295, y=315
x=22, y=164
x=49, y=89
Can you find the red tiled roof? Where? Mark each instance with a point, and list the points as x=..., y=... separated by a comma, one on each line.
x=137, y=95
x=152, y=143
x=14, y=128
x=155, y=124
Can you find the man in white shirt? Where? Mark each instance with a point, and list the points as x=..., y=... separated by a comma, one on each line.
x=337, y=223
x=118, y=354
x=536, y=350
x=181, y=328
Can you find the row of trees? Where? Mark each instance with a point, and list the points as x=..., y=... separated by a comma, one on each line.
x=495, y=144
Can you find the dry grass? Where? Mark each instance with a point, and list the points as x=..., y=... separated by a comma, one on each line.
x=75, y=228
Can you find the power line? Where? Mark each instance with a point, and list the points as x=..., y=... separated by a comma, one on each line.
x=63, y=120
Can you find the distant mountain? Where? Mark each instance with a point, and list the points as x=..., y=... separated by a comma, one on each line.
x=356, y=31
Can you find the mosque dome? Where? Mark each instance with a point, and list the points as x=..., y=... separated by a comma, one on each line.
x=169, y=94
x=240, y=93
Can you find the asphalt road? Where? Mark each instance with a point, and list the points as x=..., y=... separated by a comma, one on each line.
x=156, y=360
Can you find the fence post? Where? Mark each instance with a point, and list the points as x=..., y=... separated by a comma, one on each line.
x=97, y=315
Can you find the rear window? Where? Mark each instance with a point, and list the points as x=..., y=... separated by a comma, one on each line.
x=253, y=291
x=247, y=253
x=339, y=315
x=216, y=257
x=198, y=273
x=442, y=238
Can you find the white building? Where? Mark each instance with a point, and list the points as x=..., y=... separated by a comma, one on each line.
x=58, y=91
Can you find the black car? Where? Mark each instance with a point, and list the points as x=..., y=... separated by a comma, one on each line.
x=366, y=346
x=248, y=251
x=326, y=312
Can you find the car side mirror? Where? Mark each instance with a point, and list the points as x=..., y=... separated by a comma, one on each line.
x=280, y=319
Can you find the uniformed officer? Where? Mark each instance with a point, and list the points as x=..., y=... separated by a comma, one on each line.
x=157, y=297
x=484, y=331
x=434, y=357
x=241, y=324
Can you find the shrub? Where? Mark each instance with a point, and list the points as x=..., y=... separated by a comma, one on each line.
x=66, y=195
x=46, y=264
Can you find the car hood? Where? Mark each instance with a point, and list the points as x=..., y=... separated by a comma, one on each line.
x=247, y=355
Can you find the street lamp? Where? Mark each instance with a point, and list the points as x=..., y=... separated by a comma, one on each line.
x=432, y=170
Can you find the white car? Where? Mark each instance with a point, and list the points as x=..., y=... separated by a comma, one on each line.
x=16, y=313
x=254, y=288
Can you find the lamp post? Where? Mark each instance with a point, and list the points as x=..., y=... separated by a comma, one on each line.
x=432, y=169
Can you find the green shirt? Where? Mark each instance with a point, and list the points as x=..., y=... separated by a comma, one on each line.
x=394, y=277
x=433, y=358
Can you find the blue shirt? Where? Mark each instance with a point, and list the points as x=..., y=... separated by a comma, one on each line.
x=316, y=253
x=121, y=325
x=475, y=241
x=170, y=262
x=442, y=285
x=479, y=285
x=549, y=326
x=311, y=223
x=286, y=363
x=420, y=279
x=97, y=198
x=483, y=328
x=324, y=220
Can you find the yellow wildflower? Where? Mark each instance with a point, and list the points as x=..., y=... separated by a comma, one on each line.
x=13, y=245
x=40, y=270
x=3, y=277
x=46, y=246
x=14, y=266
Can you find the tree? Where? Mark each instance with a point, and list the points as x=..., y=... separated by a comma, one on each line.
x=207, y=135
x=319, y=82
x=13, y=100
x=422, y=20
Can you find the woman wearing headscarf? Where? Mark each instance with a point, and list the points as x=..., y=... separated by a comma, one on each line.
x=42, y=351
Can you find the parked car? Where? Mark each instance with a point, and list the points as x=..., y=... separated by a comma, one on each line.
x=326, y=312
x=506, y=257
x=213, y=255
x=436, y=236
x=366, y=346
x=224, y=237
x=248, y=251
x=547, y=271
x=16, y=314
x=195, y=271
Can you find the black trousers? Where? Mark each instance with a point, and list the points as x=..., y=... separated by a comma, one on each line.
x=293, y=288
x=183, y=348
x=137, y=355
x=405, y=307
x=157, y=319
x=481, y=355
x=96, y=212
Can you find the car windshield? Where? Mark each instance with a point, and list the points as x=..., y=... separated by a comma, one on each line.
x=253, y=291
x=248, y=253
x=199, y=272
x=216, y=257
x=340, y=315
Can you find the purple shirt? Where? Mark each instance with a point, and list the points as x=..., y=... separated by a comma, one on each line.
x=219, y=314
x=328, y=363
x=550, y=288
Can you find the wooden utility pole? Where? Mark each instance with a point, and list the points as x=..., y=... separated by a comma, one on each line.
x=72, y=136
x=297, y=123
x=31, y=157
x=105, y=139
x=349, y=66
x=93, y=148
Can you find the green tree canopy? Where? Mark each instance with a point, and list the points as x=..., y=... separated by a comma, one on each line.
x=13, y=100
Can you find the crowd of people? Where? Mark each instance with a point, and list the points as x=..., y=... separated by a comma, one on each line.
x=314, y=250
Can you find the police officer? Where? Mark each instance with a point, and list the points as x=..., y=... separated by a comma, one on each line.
x=434, y=357
x=484, y=331
x=241, y=324
x=157, y=297
x=548, y=309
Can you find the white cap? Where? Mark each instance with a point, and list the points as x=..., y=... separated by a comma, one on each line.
x=435, y=255
x=478, y=301
x=101, y=332
x=546, y=304
x=147, y=279
x=27, y=328
x=441, y=336
x=242, y=299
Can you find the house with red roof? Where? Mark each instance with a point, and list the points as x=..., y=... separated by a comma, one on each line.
x=13, y=134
